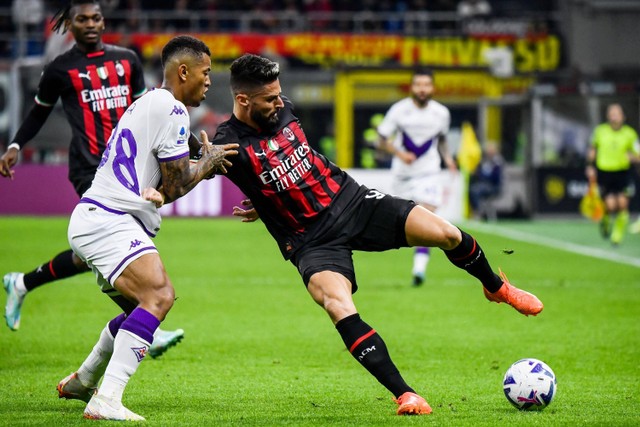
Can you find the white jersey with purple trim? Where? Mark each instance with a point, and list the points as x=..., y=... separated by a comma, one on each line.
x=417, y=130
x=154, y=129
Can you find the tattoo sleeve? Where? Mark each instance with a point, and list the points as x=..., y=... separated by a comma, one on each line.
x=179, y=177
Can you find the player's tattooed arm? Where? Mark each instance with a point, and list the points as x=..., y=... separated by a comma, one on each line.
x=180, y=176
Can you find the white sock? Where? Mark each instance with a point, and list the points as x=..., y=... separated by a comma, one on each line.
x=95, y=364
x=420, y=262
x=128, y=351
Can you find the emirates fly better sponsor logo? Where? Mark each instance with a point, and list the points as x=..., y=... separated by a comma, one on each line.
x=290, y=170
x=106, y=97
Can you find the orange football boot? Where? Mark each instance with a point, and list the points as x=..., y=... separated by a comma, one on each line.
x=412, y=404
x=526, y=303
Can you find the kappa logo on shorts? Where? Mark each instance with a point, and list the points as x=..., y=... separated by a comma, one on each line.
x=135, y=244
x=140, y=352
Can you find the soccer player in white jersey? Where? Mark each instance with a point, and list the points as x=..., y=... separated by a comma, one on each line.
x=414, y=130
x=112, y=226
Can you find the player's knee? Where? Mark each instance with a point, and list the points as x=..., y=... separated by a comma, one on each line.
x=167, y=293
x=450, y=236
x=162, y=300
x=334, y=296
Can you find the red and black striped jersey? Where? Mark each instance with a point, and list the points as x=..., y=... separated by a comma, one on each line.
x=95, y=89
x=289, y=183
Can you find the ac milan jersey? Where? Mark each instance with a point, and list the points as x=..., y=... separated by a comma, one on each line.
x=290, y=185
x=95, y=88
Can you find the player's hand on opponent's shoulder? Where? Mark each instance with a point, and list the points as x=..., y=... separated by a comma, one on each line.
x=7, y=161
x=216, y=155
x=153, y=195
x=247, y=215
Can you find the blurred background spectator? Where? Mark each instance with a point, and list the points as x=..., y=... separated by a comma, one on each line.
x=486, y=183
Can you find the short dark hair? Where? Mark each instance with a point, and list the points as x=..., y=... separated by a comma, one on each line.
x=422, y=71
x=184, y=44
x=64, y=13
x=250, y=72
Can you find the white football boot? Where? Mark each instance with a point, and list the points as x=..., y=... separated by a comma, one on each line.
x=103, y=408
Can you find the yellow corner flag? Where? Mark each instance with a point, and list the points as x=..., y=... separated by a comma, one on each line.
x=591, y=205
x=470, y=152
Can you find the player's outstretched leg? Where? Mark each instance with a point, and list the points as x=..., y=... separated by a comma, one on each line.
x=469, y=256
x=164, y=340
x=412, y=404
x=14, y=287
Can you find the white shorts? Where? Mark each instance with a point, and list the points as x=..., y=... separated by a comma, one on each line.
x=107, y=241
x=423, y=190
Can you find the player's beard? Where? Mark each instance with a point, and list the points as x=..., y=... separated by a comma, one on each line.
x=265, y=123
x=421, y=100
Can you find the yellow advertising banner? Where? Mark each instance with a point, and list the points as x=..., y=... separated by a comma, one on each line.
x=537, y=53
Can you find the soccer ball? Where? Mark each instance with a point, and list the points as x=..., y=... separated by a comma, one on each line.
x=529, y=384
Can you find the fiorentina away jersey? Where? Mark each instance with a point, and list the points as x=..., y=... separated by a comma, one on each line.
x=154, y=129
x=416, y=130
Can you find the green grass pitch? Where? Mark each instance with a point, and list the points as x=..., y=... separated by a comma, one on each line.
x=257, y=350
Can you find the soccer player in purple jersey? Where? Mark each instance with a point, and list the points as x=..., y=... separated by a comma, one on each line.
x=96, y=82
x=414, y=131
x=318, y=215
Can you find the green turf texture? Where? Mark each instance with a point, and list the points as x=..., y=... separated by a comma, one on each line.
x=258, y=352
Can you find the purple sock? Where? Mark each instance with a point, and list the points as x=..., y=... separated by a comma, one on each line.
x=422, y=250
x=141, y=323
x=115, y=323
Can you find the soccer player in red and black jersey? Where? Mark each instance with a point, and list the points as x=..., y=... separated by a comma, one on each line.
x=96, y=82
x=318, y=215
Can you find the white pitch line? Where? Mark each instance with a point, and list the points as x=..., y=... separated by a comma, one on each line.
x=609, y=255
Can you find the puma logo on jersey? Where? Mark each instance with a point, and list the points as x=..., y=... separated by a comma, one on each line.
x=261, y=154
x=85, y=75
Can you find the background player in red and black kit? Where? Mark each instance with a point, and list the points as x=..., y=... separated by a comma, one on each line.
x=318, y=215
x=96, y=82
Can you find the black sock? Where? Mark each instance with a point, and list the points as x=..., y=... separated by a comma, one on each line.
x=469, y=256
x=366, y=346
x=60, y=267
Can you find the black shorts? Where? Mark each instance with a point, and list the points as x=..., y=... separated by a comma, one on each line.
x=618, y=182
x=375, y=222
